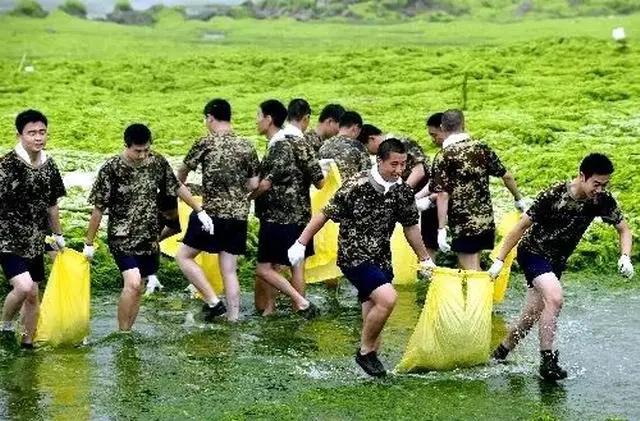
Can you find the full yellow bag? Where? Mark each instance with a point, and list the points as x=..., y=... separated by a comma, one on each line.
x=502, y=281
x=403, y=259
x=64, y=312
x=454, y=329
x=207, y=261
x=322, y=265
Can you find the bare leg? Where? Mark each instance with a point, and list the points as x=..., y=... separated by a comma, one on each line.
x=267, y=272
x=129, y=304
x=530, y=315
x=22, y=286
x=550, y=289
x=297, y=278
x=384, y=300
x=30, y=313
x=228, y=268
x=185, y=259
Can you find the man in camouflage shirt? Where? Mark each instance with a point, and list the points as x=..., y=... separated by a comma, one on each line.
x=230, y=170
x=30, y=186
x=283, y=206
x=327, y=127
x=349, y=154
x=368, y=206
x=128, y=186
x=461, y=180
x=550, y=231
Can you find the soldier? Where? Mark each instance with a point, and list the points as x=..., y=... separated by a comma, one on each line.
x=128, y=185
x=283, y=206
x=327, y=127
x=461, y=180
x=550, y=231
x=230, y=170
x=30, y=186
x=349, y=154
x=368, y=206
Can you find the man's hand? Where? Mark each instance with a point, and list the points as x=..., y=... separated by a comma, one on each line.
x=58, y=241
x=424, y=203
x=207, y=223
x=442, y=240
x=426, y=266
x=521, y=205
x=296, y=253
x=325, y=165
x=625, y=266
x=496, y=268
x=88, y=251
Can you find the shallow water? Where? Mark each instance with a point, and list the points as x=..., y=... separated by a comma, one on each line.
x=175, y=367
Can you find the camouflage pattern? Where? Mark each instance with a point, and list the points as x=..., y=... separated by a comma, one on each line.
x=415, y=156
x=314, y=140
x=292, y=169
x=559, y=221
x=131, y=194
x=227, y=162
x=463, y=172
x=351, y=155
x=367, y=218
x=26, y=195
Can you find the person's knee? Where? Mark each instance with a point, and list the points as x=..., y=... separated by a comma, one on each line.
x=33, y=295
x=263, y=270
x=132, y=282
x=185, y=253
x=385, y=297
x=554, y=300
x=23, y=285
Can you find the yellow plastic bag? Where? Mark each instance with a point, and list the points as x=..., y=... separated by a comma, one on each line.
x=322, y=265
x=207, y=261
x=454, y=329
x=502, y=281
x=64, y=312
x=403, y=259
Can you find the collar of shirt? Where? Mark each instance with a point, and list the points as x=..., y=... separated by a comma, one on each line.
x=280, y=135
x=380, y=183
x=291, y=130
x=455, y=138
x=24, y=155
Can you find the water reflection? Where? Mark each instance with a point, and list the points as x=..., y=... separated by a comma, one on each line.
x=22, y=398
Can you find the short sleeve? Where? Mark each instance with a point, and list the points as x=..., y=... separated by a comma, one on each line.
x=609, y=211
x=338, y=207
x=194, y=156
x=439, y=176
x=406, y=211
x=100, y=195
x=493, y=163
x=57, y=189
x=171, y=183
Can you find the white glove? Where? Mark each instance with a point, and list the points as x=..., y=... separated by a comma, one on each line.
x=152, y=284
x=325, y=165
x=442, y=240
x=496, y=268
x=59, y=241
x=424, y=203
x=207, y=223
x=426, y=266
x=521, y=205
x=296, y=253
x=88, y=251
x=625, y=267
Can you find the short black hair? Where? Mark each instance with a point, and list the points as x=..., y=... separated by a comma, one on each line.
x=452, y=120
x=350, y=119
x=366, y=131
x=596, y=163
x=390, y=145
x=435, y=120
x=298, y=109
x=137, y=134
x=29, y=116
x=333, y=111
x=276, y=110
x=218, y=108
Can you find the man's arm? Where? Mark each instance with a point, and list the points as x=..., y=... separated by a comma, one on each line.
x=312, y=228
x=54, y=219
x=263, y=187
x=510, y=183
x=514, y=236
x=442, y=202
x=183, y=173
x=625, y=238
x=252, y=183
x=416, y=175
x=184, y=193
x=414, y=237
x=94, y=225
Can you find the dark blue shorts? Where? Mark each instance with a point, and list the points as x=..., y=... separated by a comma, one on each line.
x=474, y=243
x=274, y=241
x=429, y=228
x=14, y=265
x=534, y=265
x=229, y=235
x=147, y=264
x=367, y=277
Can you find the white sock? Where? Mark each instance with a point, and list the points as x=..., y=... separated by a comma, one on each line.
x=7, y=326
x=214, y=303
x=306, y=306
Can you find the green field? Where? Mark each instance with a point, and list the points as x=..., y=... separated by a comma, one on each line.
x=541, y=92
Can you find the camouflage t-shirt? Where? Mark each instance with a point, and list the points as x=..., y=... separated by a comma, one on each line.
x=463, y=172
x=131, y=194
x=227, y=162
x=291, y=170
x=560, y=220
x=314, y=140
x=367, y=218
x=26, y=194
x=415, y=156
x=351, y=155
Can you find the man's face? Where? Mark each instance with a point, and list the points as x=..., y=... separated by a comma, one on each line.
x=373, y=144
x=594, y=184
x=436, y=134
x=262, y=123
x=354, y=131
x=391, y=169
x=138, y=153
x=33, y=137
